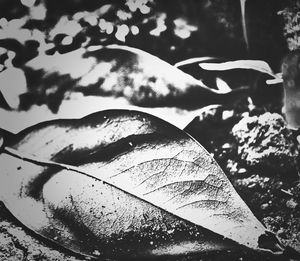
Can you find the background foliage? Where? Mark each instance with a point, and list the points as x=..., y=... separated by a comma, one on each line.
x=171, y=29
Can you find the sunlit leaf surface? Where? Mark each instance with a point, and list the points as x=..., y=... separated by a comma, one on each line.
x=122, y=184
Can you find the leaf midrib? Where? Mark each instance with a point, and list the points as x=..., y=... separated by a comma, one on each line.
x=35, y=160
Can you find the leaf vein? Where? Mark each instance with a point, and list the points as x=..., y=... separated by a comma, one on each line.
x=215, y=201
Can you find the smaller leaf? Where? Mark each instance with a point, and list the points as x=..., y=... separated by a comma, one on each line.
x=256, y=65
x=275, y=80
x=222, y=86
x=195, y=60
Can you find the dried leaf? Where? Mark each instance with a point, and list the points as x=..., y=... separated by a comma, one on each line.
x=123, y=184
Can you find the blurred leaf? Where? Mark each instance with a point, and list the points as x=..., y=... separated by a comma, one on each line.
x=195, y=60
x=12, y=85
x=222, y=86
x=90, y=104
x=276, y=80
x=115, y=70
x=183, y=29
x=257, y=65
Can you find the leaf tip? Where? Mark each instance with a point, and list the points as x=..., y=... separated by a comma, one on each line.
x=271, y=242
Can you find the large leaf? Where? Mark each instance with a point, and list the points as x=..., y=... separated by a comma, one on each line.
x=123, y=183
x=143, y=79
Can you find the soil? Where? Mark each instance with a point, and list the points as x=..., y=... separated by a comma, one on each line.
x=260, y=156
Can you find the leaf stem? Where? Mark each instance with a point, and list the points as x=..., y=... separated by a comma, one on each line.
x=34, y=159
x=244, y=23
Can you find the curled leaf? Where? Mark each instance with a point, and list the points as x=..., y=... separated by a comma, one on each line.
x=195, y=60
x=276, y=80
x=126, y=184
x=257, y=65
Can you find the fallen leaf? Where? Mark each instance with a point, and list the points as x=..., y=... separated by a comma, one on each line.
x=120, y=184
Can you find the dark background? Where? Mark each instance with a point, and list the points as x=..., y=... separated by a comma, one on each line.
x=214, y=27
